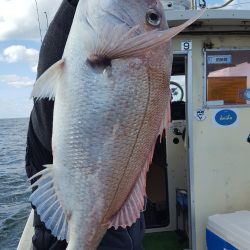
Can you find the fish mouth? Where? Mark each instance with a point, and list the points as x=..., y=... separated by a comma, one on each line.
x=98, y=62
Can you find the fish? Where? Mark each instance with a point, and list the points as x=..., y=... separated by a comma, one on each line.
x=111, y=101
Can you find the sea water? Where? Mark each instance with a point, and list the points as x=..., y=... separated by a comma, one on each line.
x=14, y=205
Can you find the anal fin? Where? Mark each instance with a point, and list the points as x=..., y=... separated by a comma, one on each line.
x=134, y=205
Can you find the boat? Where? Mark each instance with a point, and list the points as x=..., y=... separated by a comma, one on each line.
x=25, y=242
x=202, y=168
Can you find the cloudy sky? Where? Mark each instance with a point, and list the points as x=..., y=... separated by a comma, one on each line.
x=19, y=48
x=20, y=42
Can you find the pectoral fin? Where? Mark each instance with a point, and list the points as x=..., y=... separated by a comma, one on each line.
x=46, y=84
x=124, y=44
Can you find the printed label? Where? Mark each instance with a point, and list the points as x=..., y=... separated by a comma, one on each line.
x=200, y=115
x=186, y=45
x=246, y=94
x=226, y=117
x=219, y=59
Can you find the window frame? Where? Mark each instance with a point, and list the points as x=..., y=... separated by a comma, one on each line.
x=204, y=85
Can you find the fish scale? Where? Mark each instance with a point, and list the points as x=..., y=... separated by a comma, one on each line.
x=96, y=137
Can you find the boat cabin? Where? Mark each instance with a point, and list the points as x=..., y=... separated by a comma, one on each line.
x=202, y=167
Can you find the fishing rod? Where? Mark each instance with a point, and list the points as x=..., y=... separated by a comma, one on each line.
x=38, y=19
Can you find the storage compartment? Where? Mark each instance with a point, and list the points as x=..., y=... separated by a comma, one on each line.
x=229, y=231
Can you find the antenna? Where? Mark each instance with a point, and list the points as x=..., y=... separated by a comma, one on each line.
x=38, y=19
x=46, y=19
x=223, y=5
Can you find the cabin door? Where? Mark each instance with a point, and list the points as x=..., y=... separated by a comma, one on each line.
x=176, y=147
x=168, y=174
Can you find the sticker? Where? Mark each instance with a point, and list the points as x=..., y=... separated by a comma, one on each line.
x=200, y=115
x=226, y=118
x=186, y=45
x=219, y=59
x=246, y=94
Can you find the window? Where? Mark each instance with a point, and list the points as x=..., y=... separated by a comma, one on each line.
x=227, y=77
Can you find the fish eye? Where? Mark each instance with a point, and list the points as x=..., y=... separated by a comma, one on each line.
x=153, y=17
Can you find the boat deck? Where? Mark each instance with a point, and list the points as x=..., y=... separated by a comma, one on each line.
x=163, y=241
